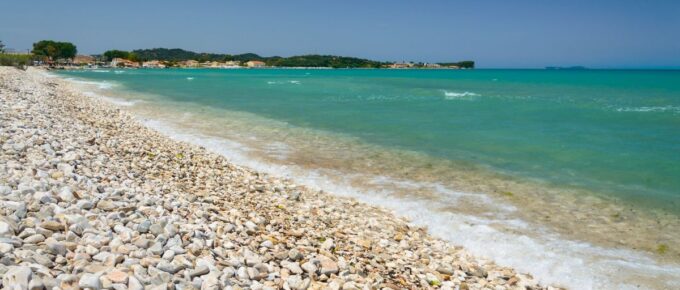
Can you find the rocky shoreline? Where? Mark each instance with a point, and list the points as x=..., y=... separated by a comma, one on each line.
x=92, y=199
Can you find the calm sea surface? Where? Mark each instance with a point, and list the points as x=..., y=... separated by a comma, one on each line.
x=612, y=131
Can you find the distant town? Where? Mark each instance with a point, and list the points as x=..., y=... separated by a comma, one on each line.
x=63, y=55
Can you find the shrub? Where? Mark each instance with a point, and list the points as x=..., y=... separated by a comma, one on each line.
x=16, y=60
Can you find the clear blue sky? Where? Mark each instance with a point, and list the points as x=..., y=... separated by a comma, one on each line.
x=503, y=33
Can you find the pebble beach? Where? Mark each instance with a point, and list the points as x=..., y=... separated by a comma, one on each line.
x=92, y=199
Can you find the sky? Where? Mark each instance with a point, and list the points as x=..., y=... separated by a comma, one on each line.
x=495, y=34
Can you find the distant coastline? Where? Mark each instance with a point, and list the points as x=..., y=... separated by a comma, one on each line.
x=163, y=57
x=578, y=67
x=63, y=55
x=248, y=68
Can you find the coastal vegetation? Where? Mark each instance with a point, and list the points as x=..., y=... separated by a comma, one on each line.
x=322, y=61
x=16, y=60
x=178, y=55
x=109, y=55
x=460, y=64
x=50, y=51
x=54, y=50
x=174, y=56
x=245, y=57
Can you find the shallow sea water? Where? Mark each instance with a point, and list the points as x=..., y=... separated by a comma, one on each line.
x=572, y=176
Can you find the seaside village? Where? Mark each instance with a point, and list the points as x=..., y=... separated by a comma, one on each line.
x=90, y=61
x=80, y=61
x=63, y=55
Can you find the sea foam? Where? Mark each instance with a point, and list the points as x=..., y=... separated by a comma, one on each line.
x=112, y=100
x=664, y=109
x=450, y=95
x=103, y=85
x=294, y=82
x=548, y=257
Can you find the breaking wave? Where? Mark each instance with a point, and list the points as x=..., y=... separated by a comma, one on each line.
x=294, y=82
x=449, y=95
x=658, y=109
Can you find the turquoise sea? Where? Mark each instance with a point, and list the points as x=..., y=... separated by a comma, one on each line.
x=585, y=155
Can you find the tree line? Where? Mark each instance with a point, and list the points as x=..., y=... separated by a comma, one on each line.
x=58, y=50
x=313, y=60
x=54, y=50
x=176, y=55
x=323, y=61
x=460, y=64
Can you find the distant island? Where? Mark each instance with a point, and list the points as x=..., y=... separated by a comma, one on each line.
x=57, y=54
x=566, y=67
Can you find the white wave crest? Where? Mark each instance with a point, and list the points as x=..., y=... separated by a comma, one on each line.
x=294, y=82
x=449, y=95
x=112, y=100
x=103, y=85
x=548, y=257
x=672, y=109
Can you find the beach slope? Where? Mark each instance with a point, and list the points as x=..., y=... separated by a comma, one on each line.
x=90, y=198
